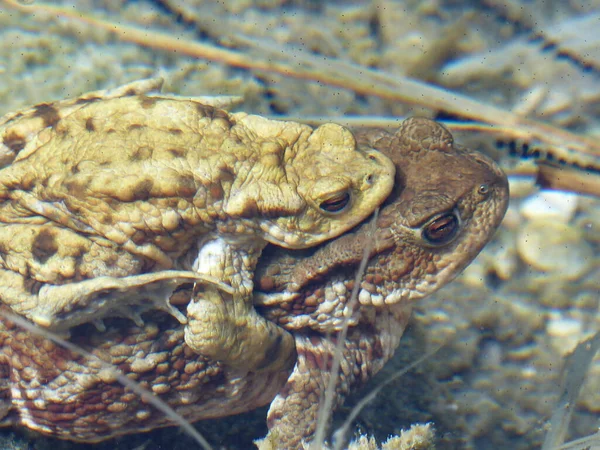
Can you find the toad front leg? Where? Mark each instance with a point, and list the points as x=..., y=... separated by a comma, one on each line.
x=294, y=413
x=226, y=327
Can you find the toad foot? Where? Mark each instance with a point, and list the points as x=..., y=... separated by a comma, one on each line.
x=241, y=339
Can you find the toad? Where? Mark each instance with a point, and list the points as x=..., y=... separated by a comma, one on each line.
x=110, y=201
x=446, y=204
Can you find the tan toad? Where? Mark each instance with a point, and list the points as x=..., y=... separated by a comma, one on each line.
x=445, y=207
x=110, y=201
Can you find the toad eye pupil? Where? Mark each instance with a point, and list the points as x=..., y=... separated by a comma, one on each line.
x=336, y=204
x=483, y=189
x=441, y=230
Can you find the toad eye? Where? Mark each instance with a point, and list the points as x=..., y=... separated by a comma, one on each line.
x=442, y=229
x=337, y=203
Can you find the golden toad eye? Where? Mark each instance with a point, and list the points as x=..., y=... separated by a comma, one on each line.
x=337, y=203
x=483, y=189
x=441, y=230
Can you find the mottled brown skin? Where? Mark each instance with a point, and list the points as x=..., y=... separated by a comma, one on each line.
x=111, y=201
x=417, y=247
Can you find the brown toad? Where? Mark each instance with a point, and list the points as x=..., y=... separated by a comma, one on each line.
x=110, y=201
x=445, y=207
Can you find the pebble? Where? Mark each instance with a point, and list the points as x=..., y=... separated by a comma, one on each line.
x=552, y=246
x=564, y=332
x=564, y=327
x=554, y=205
